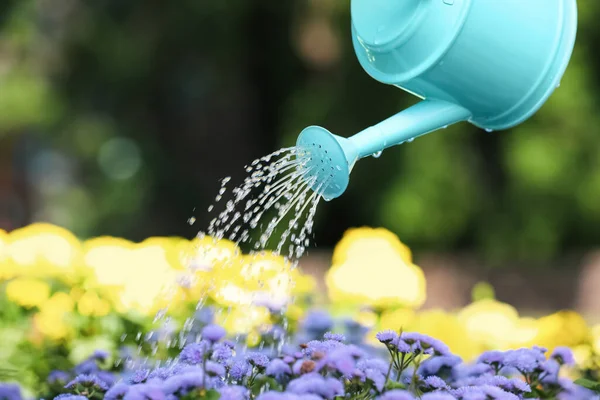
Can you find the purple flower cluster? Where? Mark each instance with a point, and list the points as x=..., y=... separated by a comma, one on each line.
x=408, y=366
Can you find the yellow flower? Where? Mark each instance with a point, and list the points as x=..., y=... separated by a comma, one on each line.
x=491, y=323
x=51, y=321
x=447, y=328
x=372, y=267
x=44, y=250
x=7, y=269
x=28, y=293
x=140, y=275
x=564, y=328
x=397, y=319
x=89, y=304
x=244, y=319
x=265, y=278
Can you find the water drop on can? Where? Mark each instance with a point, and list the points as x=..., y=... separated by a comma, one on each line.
x=378, y=154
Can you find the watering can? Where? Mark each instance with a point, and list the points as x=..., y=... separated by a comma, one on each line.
x=492, y=63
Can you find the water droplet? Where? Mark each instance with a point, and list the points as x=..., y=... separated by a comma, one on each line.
x=378, y=154
x=192, y=220
x=488, y=130
x=412, y=139
x=445, y=127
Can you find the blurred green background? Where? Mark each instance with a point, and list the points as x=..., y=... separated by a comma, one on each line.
x=119, y=117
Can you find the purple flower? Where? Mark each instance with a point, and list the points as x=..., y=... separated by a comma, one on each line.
x=322, y=347
x=205, y=315
x=386, y=337
x=91, y=381
x=563, y=355
x=64, y=396
x=100, y=355
x=239, y=370
x=221, y=353
x=338, y=337
x=194, y=353
x=373, y=363
x=214, y=369
x=550, y=369
x=401, y=346
x=314, y=383
x=493, y=358
x=117, y=392
x=497, y=393
x=88, y=367
x=145, y=391
x=504, y=383
x=317, y=322
x=340, y=360
x=288, y=359
x=139, y=376
x=434, y=383
x=437, y=396
x=184, y=383
x=257, y=359
x=376, y=377
x=426, y=344
x=433, y=365
x=58, y=377
x=161, y=373
x=278, y=368
x=396, y=395
x=213, y=333
x=462, y=371
x=107, y=377
x=10, y=391
x=525, y=361
x=272, y=395
x=233, y=392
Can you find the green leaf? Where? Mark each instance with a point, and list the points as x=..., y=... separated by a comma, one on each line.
x=391, y=385
x=212, y=395
x=588, y=384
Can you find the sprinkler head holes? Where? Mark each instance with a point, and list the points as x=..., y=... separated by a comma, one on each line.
x=325, y=160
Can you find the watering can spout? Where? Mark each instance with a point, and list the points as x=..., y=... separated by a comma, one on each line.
x=330, y=158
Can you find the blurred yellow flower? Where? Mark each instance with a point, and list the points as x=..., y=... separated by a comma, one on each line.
x=44, y=250
x=243, y=319
x=140, y=274
x=491, y=323
x=262, y=279
x=89, y=304
x=51, y=320
x=564, y=328
x=372, y=267
x=397, y=319
x=28, y=293
x=7, y=269
x=447, y=328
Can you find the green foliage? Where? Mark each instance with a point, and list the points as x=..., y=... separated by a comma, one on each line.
x=179, y=79
x=588, y=384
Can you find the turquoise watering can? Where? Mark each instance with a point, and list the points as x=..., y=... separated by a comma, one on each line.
x=493, y=63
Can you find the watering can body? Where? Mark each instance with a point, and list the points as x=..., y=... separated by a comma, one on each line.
x=493, y=63
x=499, y=59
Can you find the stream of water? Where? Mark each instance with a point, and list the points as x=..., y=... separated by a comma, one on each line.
x=272, y=209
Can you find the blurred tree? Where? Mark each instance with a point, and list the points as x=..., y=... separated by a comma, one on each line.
x=122, y=116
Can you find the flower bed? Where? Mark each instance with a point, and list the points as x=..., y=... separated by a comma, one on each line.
x=70, y=309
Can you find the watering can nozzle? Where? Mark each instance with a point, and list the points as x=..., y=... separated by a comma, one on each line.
x=329, y=159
